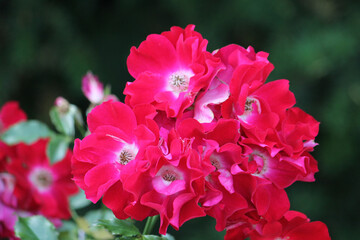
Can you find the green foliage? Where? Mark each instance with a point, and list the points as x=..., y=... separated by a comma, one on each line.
x=27, y=132
x=154, y=237
x=68, y=231
x=79, y=200
x=30, y=131
x=35, y=228
x=124, y=228
x=57, y=148
x=94, y=216
x=64, y=121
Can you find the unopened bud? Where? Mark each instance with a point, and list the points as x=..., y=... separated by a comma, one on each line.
x=62, y=104
x=92, y=88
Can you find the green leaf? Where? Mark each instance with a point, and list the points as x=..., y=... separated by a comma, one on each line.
x=120, y=227
x=94, y=216
x=168, y=237
x=79, y=200
x=35, y=228
x=68, y=230
x=154, y=237
x=27, y=132
x=67, y=226
x=56, y=120
x=57, y=147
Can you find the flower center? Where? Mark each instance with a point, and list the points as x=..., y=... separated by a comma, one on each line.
x=125, y=157
x=252, y=105
x=261, y=162
x=179, y=81
x=249, y=105
x=127, y=153
x=215, y=162
x=42, y=179
x=169, y=176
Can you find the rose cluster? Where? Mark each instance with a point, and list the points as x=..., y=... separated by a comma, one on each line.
x=201, y=134
x=29, y=183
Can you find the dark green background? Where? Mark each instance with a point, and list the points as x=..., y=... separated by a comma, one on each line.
x=47, y=46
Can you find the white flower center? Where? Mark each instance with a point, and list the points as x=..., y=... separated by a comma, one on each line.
x=127, y=154
x=42, y=179
x=169, y=174
x=179, y=81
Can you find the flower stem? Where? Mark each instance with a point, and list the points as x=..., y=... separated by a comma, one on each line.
x=74, y=215
x=150, y=223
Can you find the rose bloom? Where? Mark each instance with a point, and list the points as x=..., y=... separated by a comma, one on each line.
x=170, y=69
x=39, y=185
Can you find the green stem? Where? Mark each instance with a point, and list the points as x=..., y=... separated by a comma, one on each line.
x=150, y=223
x=153, y=222
x=74, y=215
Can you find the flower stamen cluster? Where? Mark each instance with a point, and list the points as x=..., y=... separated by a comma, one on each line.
x=125, y=157
x=179, y=82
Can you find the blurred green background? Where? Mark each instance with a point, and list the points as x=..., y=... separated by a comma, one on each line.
x=47, y=46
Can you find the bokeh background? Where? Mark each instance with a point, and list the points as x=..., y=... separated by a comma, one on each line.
x=47, y=46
